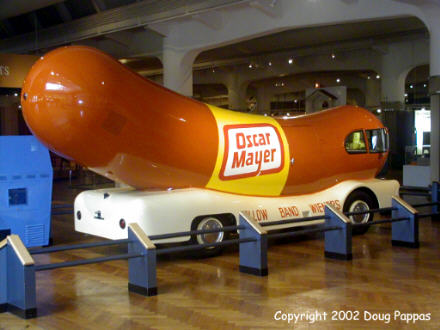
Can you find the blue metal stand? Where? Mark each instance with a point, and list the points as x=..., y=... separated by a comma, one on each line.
x=337, y=242
x=435, y=199
x=3, y=276
x=141, y=269
x=17, y=269
x=253, y=254
x=404, y=233
x=17, y=279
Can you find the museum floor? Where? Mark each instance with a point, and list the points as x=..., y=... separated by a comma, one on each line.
x=211, y=294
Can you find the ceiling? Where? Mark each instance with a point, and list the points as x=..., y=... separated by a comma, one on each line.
x=55, y=14
x=318, y=36
x=32, y=18
x=369, y=32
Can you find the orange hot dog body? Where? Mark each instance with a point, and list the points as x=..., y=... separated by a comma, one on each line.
x=325, y=162
x=86, y=106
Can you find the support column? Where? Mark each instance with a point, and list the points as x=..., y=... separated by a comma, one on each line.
x=264, y=96
x=177, y=69
x=372, y=93
x=395, y=67
x=236, y=92
x=396, y=64
x=434, y=89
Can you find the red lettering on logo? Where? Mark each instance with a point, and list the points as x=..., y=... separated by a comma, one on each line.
x=241, y=143
x=251, y=150
x=238, y=162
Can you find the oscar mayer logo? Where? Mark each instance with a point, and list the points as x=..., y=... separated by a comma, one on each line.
x=251, y=150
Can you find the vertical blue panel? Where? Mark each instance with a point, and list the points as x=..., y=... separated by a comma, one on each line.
x=404, y=233
x=21, y=286
x=141, y=270
x=3, y=279
x=253, y=255
x=435, y=198
x=338, y=243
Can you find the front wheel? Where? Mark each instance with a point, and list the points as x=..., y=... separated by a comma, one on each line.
x=359, y=201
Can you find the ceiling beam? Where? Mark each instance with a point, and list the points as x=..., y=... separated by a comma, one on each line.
x=11, y=8
x=377, y=45
x=64, y=13
x=99, y=5
x=33, y=19
x=123, y=38
x=7, y=27
x=137, y=14
x=270, y=7
x=212, y=19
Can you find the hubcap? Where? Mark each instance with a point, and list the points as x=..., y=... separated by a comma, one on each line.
x=359, y=206
x=206, y=224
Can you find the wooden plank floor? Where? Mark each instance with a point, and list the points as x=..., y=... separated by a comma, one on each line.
x=212, y=294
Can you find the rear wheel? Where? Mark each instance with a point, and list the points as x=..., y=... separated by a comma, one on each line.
x=207, y=223
x=359, y=201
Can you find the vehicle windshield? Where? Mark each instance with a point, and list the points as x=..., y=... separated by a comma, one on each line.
x=378, y=140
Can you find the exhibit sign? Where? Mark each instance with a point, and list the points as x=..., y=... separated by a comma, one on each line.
x=14, y=68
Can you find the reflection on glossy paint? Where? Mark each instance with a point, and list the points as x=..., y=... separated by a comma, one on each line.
x=54, y=87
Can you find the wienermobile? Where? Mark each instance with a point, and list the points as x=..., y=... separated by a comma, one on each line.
x=189, y=165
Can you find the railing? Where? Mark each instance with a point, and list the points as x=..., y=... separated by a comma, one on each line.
x=432, y=192
x=60, y=209
x=17, y=267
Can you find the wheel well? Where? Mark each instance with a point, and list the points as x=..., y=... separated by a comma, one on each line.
x=227, y=218
x=369, y=192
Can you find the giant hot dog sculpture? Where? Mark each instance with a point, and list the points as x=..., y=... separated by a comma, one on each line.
x=86, y=106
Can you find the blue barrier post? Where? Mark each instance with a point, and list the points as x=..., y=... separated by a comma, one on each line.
x=142, y=269
x=404, y=233
x=17, y=277
x=253, y=255
x=435, y=199
x=337, y=242
x=3, y=276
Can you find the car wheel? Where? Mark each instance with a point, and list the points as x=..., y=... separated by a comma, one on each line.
x=206, y=223
x=359, y=201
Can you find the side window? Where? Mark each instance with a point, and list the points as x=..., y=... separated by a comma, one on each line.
x=378, y=140
x=355, y=143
